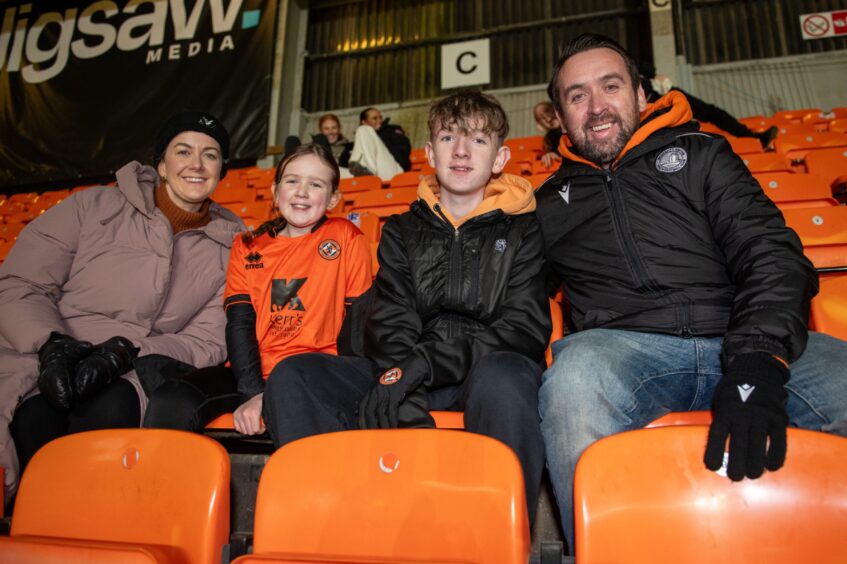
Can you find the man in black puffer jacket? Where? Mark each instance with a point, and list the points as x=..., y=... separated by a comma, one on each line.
x=687, y=289
x=459, y=319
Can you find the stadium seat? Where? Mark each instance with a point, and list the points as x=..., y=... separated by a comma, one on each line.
x=533, y=143
x=682, y=418
x=789, y=190
x=767, y=162
x=25, y=198
x=260, y=178
x=795, y=146
x=349, y=186
x=745, y=145
x=417, y=157
x=227, y=196
x=10, y=231
x=829, y=307
x=823, y=232
x=830, y=164
x=645, y=496
x=407, y=179
x=410, y=495
x=122, y=495
x=795, y=116
x=384, y=203
x=838, y=125
x=757, y=123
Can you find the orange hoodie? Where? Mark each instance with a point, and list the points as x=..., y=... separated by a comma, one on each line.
x=679, y=112
x=512, y=194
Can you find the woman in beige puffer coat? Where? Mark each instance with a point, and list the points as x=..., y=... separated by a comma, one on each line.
x=111, y=280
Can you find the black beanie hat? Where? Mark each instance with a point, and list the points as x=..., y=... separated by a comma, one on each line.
x=192, y=121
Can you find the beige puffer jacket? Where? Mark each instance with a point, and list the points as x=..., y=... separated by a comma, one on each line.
x=102, y=263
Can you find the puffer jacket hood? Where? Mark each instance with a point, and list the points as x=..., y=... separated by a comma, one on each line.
x=511, y=194
x=670, y=110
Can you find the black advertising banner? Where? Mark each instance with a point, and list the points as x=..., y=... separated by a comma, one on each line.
x=84, y=85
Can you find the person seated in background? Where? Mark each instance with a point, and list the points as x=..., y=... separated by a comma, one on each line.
x=331, y=139
x=657, y=85
x=458, y=317
x=114, y=290
x=380, y=148
x=290, y=281
x=548, y=123
x=687, y=289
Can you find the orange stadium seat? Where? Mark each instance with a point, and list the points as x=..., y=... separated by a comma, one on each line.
x=225, y=196
x=418, y=158
x=795, y=116
x=409, y=495
x=25, y=198
x=840, y=112
x=767, y=162
x=533, y=143
x=757, y=123
x=260, y=178
x=407, y=179
x=539, y=167
x=682, y=418
x=795, y=146
x=838, y=125
x=122, y=495
x=645, y=496
x=829, y=307
x=10, y=207
x=823, y=232
x=830, y=164
x=252, y=210
x=10, y=231
x=384, y=203
x=790, y=190
x=349, y=186
x=745, y=145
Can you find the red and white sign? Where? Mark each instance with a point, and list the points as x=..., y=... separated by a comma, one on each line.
x=823, y=24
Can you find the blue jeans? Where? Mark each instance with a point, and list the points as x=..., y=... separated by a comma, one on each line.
x=607, y=381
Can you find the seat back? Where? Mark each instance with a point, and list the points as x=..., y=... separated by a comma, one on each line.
x=134, y=486
x=533, y=143
x=359, y=184
x=418, y=494
x=745, y=145
x=829, y=307
x=407, y=179
x=787, y=189
x=767, y=162
x=829, y=164
x=645, y=496
x=823, y=232
x=796, y=145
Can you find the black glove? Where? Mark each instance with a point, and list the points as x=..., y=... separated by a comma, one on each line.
x=106, y=362
x=749, y=407
x=380, y=407
x=57, y=359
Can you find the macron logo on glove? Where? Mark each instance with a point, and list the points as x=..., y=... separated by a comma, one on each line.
x=744, y=390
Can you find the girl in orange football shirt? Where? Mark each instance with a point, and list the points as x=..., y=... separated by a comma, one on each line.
x=289, y=281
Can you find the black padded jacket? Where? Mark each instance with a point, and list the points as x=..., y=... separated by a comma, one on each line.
x=677, y=237
x=444, y=297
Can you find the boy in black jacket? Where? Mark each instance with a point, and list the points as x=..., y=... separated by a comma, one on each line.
x=459, y=318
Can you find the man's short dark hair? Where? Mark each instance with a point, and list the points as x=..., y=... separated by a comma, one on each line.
x=459, y=108
x=587, y=42
x=364, y=113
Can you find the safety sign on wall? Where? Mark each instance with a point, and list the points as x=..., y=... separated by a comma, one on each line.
x=465, y=64
x=823, y=24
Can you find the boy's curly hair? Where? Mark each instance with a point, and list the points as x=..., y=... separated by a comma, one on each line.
x=469, y=105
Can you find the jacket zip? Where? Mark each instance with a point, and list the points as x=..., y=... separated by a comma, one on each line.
x=454, y=269
x=630, y=252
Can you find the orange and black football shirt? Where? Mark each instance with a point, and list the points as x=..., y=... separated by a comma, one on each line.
x=299, y=286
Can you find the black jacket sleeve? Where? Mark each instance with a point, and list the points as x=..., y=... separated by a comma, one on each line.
x=243, y=347
x=774, y=281
x=394, y=327
x=397, y=144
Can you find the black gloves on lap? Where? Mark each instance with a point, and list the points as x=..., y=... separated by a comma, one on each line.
x=106, y=362
x=57, y=360
x=69, y=369
x=749, y=408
